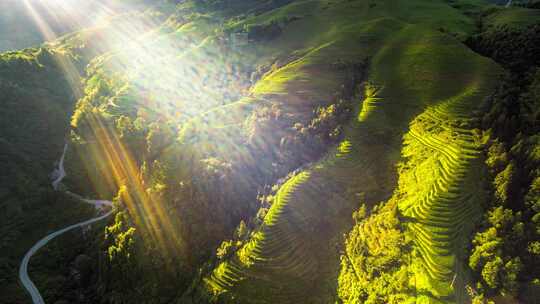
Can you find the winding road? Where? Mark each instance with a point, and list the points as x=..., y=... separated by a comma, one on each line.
x=60, y=173
x=23, y=269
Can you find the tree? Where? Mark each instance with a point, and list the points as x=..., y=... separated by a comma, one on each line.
x=242, y=231
x=497, y=158
x=486, y=246
x=510, y=280
x=504, y=183
x=490, y=272
x=374, y=265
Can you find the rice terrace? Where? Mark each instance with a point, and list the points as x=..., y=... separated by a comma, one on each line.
x=270, y=151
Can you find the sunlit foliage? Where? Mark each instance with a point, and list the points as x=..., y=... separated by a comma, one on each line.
x=376, y=265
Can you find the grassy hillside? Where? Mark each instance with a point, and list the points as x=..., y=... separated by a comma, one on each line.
x=305, y=51
x=275, y=151
x=291, y=257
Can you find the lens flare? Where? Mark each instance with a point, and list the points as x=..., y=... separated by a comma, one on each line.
x=178, y=78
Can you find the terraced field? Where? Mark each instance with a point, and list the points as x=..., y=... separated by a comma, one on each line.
x=441, y=215
x=383, y=216
x=294, y=256
x=286, y=260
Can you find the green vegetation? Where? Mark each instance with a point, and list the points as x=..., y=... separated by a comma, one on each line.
x=285, y=260
x=504, y=245
x=501, y=41
x=65, y=269
x=38, y=90
x=504, y=248
x=238, y=137
x=23, y=224
x=515, y=17
x=36, y=98
x=376, y=264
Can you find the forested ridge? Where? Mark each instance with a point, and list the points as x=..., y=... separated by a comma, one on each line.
x=504, y=252
x=277, y=151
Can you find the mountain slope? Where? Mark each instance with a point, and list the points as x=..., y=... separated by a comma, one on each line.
x=291, y=256
x=40, y=87
x=268, y=151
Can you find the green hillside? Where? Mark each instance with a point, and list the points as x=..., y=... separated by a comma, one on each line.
x=279, y=151
x=36, y=99
x=289, y=258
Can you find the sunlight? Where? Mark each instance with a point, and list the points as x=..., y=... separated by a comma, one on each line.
x=140, y=63
x=178, y=79
x=119, y=168
x=269, y=151
x=72, y=13
x=65, y=63
x=42, y=25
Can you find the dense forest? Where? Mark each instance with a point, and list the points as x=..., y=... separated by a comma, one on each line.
x=271, y=151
